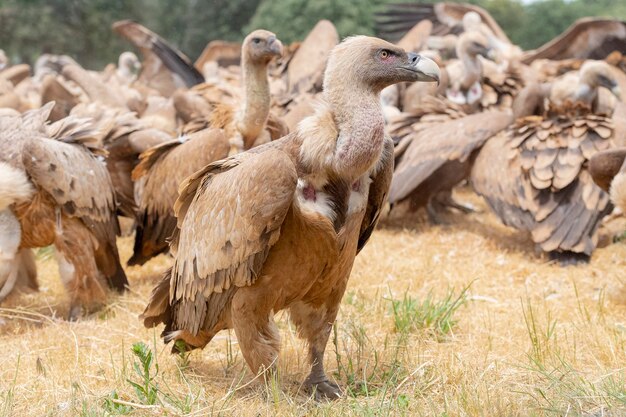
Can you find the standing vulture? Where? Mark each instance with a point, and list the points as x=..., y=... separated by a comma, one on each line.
x=164, y=167
x=278, y=227
x=55, y=191
x=535, y=174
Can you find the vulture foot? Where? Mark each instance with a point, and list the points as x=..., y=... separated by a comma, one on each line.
x=569, y=258
x=76, y=312
x=434, y=215
x=323, y=390
x=463, y=208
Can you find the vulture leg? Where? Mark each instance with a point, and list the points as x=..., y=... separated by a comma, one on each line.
x=10, y=237
x=434, y=208
x=567, y=258
x=252, y=317
x=445, y=197
x=314, y=325
x=27, y=274
x=77, y=266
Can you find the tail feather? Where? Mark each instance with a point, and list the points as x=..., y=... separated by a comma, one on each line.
x=158, y=309
x=14, y=186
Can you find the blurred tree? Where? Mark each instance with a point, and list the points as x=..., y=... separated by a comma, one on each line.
x=292, y=19
x=82, y=28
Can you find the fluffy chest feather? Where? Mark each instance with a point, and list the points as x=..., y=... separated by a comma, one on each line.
x=331, y=198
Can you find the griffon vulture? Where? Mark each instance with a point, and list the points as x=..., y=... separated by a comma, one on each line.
x=55, y=190
x=278, y=227
x=164, y=167
x=535, y=174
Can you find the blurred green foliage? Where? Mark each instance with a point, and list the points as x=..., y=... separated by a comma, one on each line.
x=81, y=28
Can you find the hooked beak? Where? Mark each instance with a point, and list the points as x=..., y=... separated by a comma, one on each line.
x=275, y=46
x=424, y=68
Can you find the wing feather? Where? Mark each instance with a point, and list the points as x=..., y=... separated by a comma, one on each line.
x=230, y=215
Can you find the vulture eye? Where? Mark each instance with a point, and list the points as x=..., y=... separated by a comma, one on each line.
x=384, y=54
x=256, y=40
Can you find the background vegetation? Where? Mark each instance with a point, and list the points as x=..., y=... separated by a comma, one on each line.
x=81, y=28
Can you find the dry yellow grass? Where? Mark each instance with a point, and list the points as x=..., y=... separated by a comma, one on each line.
x=530, y=339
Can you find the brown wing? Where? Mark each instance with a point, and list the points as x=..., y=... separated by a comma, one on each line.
x=76, y=179
x=587, y=38
x=16, y=73
x=159, y=174
x=224, y=53
x=92, y=85
x=306, y=68
x=447, y=18
x=536, y=178
x=377, y=196
x=151, y=43
x=495, y=177
x=246, y=199
x=431, y=148
x=53, y=90
x=415, y=39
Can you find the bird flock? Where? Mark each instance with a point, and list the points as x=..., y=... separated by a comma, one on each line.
x=262, y=169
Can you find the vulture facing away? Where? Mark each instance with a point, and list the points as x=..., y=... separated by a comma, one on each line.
x=55, y=190
x=278, y=227
x=535, y=174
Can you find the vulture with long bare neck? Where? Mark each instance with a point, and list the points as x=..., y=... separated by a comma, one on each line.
x=278, y=227
x=228, y=129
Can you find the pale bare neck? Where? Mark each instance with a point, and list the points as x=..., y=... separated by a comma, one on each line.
x=473, y=70
x=256, y=104
x=360, y=123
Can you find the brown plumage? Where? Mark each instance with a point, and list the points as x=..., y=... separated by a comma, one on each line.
x=164, y=68
x=287, y=219
x=439, y=157
x=447, y=18
x=608, y=171
x=587, y=38
x=65, y=198
x=535, y=175
x=224, y=130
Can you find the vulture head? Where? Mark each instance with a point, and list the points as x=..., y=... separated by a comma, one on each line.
x=597, y=74
x=473, y=44
x=604, y=166
x=261, y=46
x=128, y=63
x=471, y=21
x=365, y=63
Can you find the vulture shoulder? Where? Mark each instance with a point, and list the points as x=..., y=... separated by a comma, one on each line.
x=245, y=199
